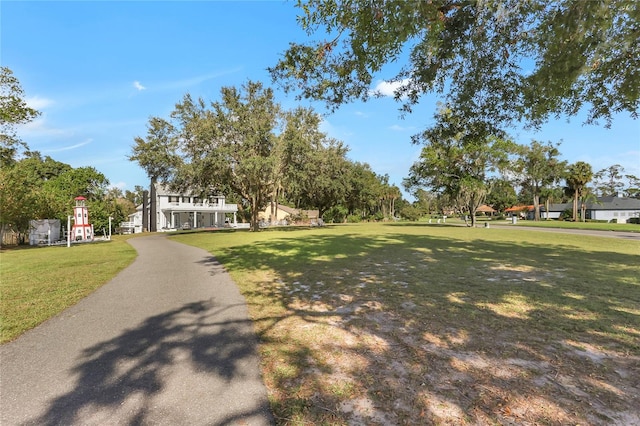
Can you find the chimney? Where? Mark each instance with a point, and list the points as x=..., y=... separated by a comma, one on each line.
x=145, y=211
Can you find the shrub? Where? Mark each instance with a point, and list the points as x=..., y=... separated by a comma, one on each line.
x=354, y=218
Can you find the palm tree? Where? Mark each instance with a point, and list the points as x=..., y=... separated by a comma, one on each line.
x=550, y=195
x=578, y=175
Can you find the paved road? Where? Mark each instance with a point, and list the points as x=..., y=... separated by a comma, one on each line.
x=608, y=234
x=166, y=342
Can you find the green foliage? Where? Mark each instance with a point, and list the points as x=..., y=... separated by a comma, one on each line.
x=537, y=168
x=501, y=194
x=608, y=181
x=498, y=61
x=37, y=188
x=336, y=214
x=322, y=179
x=577, y=177
x=411, y=212
x=157, y=153
x=247, y=147
x=13, y=110
x=354, y=218
x=459, y=153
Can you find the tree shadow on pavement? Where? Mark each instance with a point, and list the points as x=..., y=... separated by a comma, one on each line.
x=121, y=380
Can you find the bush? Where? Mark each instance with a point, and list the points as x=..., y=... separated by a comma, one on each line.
x=354, y=218
x=335, y=215
x=411, y=213
x=635, y=220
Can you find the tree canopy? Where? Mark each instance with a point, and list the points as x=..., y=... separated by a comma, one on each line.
x=43, y=188
x=578, y=175
x=499, y=61
x=13, y=111
x=458, y=155
x=538, y=167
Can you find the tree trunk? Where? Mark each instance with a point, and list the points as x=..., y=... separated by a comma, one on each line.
x=255, y=224
x=536, y=207
x=546, y=208
x=153, y=208
x=575, y=206
x=472, y=213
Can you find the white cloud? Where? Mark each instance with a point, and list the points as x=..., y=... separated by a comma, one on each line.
x=38, y=103
x=362, y=114
x=70, y=147
x=120, y=185
x=138, y=86
x=40, y=128
x=388, y=88
x=194, y=81
x=398, y=128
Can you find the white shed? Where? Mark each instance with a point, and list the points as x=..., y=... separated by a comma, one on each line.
x=44, y=231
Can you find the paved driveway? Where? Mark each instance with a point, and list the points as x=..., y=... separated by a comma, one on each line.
x=607, y=234
x=166, y=342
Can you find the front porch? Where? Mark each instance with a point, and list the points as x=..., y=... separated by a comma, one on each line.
x=174, y=219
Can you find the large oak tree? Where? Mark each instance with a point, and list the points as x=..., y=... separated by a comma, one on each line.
x=458, y=157
x=246, y=144
x=497, y=60
x=538, y=167
x=13, y=111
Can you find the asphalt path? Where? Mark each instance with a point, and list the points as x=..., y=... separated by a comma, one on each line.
x=166, y=342
x=634, y=236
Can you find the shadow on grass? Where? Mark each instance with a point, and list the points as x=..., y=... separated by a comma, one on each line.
x=458, y=332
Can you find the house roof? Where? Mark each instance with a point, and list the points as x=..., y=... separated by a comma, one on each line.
x=601, y=203
x=162, y=189
x=614, y=203
x=486, y=209
x=311, y=214
x=288, y=209
x=519, y=208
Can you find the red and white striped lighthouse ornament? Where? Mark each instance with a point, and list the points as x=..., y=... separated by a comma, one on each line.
x=81, y=230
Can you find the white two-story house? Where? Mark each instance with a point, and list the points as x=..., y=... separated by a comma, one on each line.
x=183, y=211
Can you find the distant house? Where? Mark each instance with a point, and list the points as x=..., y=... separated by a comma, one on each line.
x=603, y=208
x=520, y=211
x=285, y=215
x=182, y=211
x=486, y=209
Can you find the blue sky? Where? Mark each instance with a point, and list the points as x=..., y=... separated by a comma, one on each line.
x=98, y=70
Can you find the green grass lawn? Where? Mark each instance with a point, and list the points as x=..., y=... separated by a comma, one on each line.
x=418, y=323
x=37, y=283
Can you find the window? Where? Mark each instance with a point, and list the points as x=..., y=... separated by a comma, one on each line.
x=174, y=199
x=185, y=199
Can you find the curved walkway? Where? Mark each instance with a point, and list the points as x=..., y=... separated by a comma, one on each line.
x=166, y=342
